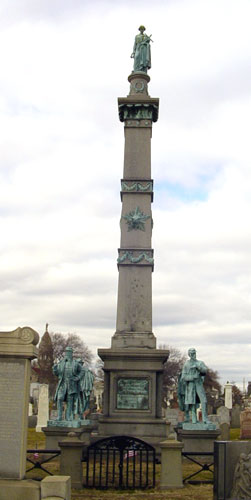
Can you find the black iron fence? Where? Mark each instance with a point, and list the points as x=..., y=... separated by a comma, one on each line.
x=120, y=462
x=203, y=466
x=39, y=457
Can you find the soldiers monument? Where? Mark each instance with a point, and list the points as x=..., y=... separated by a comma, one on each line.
x=133, y=366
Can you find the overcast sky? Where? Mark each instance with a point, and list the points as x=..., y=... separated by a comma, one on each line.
x=63, y=65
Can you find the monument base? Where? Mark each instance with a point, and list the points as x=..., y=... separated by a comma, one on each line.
x=133, y=393
x=54, y=434
x=152, y=431
x=73, y=424
x=199, y=426
x=197, y=440
x=14, y=489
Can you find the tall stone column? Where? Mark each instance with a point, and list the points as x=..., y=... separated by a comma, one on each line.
x=133, y=366
x=135, y=259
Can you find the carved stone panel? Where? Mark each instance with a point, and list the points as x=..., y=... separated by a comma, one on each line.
x=12, y=407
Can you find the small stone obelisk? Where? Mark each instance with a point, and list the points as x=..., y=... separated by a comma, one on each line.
x=133, y=366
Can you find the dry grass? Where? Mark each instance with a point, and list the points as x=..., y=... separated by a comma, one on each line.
x=189, y=492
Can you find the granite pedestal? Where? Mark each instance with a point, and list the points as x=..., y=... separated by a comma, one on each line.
x=197, y=440
x=54, y=435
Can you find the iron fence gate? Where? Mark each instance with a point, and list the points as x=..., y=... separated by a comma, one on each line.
x=120, y=462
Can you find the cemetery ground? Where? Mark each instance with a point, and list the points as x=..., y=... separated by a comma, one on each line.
x=189, y=492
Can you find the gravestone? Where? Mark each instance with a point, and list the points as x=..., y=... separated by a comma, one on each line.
x=53, y=415
x=235, y=417
x=245, y=420
x=174, y=416
x=43, y=407
x=35, y=395
x=224, y=432
x=17, y=349
x=215, y=419
x=228, y=396
x=224, y=414
x=227, y=456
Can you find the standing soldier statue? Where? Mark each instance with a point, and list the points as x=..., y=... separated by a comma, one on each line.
x=192, y=379
x=68, y=371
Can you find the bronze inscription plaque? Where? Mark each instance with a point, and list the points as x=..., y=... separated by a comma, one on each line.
x=132, y=394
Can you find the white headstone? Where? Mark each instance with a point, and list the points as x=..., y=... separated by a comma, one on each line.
x=228, y=396
x=43, y=407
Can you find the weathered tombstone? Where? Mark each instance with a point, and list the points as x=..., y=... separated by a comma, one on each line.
x=245, y=419
x=228, y=396
x=235, y=417
x=224, y=414
x=35, y=395
x=17, y=349
x=215, y=419
x=224, y=432
x=53, y=415
x=173, y=415
x=227, y=470
x=43, y=407
x=30, y=410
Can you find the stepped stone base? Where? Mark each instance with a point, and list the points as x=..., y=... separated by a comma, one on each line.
x=13, y=489
x=152, y=431
x=56, y=434
x=197, y=440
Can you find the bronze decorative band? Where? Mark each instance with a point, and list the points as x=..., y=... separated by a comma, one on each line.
x=137, y=114
x=136, y=186
x=135, y=257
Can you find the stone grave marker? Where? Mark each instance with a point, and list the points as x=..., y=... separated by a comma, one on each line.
x=224, y=414
x=30, y=410
x=17, y=349
x=43, y=407
x=53, y=415
x=215, y=419
x=245, y=420
x=235, y=417
x=224, y=432
x=228, y=396
x=174, y=416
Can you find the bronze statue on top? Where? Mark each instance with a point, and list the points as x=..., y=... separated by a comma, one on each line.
x=142, y=51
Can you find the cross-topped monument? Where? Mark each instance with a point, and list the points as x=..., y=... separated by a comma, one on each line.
x=133, y=366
